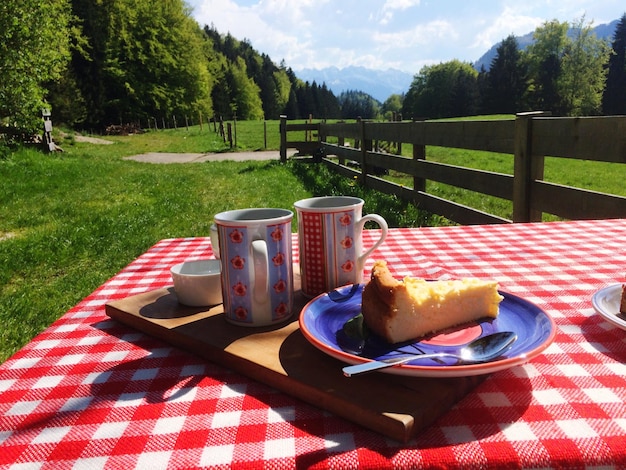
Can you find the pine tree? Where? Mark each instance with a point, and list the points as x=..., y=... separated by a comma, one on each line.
x=506, y=79
x=614, y=97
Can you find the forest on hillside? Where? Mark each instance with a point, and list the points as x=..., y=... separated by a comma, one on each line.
x=97, y=63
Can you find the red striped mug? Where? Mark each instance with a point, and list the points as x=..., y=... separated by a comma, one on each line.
x=330, y=242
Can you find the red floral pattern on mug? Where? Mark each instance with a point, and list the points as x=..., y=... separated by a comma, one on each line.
x=278, y=259
x=280, y=286
x=348, y=266
x=238, y=262
x=236, y=236
x=281, y=310
x=345, y=219
x=346, y=243
x=240, y=289
x=241, y=313
x=277, y=234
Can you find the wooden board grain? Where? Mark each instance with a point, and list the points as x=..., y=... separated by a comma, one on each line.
x=396, y=406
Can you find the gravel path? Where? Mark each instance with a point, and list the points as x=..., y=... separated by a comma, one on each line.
x=162, y=157
x=158, y=157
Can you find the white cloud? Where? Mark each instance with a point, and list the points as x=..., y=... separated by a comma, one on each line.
x=400, y=4
x=391, y=6
x=509, y=21
x=429, y=33
x=402, y=34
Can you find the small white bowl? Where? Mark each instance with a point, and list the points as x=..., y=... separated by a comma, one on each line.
x=198, y=283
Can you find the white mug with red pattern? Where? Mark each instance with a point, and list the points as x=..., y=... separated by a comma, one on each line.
x=330, y=242
x=257, y=267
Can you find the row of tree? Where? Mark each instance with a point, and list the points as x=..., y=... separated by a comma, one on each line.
x=566, y=70
x=250, y=84
x=98, y=63
x=122, y=61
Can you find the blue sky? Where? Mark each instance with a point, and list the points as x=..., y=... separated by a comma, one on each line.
x=382, y=34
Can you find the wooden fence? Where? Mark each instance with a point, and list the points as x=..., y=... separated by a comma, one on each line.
x=528, y=138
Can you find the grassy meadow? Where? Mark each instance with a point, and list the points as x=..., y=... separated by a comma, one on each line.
x=71, y=220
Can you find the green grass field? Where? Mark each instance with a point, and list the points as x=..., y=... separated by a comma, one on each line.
x=69, y=221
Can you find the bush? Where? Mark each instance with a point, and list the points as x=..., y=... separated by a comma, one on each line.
x=321, y=181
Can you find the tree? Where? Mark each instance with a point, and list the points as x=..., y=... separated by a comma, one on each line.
x=567, y=72
x=66, y=100
x=392, y=106
x=544, y=59
x=444, y=90
x=283, y=92
x=614, y=98
x=245, y=100
x=221, y=92
x=583, y=72
x=146, y=59
x=506, y=80
x=357, y=104
x=328, y=104
x=464, y=95
x=35, y=40
x=291, y=109
x=306, y=103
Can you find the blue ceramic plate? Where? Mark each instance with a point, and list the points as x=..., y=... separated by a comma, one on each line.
x=323, y=318
x=606, y=302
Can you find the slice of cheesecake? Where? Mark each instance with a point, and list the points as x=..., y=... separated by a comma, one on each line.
x=403, y=310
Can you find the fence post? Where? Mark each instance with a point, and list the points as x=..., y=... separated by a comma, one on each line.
x=366, y=146
x=419, y=153
x=322, y=136
x=398, y=118
x=283, y=138
x=527, y=169
x=48, y=144
x=222, y=132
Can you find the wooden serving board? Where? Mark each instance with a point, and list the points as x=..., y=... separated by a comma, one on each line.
x=396, y=406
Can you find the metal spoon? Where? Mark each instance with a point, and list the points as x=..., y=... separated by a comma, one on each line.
x=480, y=350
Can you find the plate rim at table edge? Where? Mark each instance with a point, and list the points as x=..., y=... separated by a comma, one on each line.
x=608, y=316
x=435, y=371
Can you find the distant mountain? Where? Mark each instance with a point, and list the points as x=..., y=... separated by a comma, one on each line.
x=383, y=83
x=603, y=31
x=380, y=84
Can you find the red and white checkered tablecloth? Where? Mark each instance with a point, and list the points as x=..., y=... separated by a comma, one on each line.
x=92, y=393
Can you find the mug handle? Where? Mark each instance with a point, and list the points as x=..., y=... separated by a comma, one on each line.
x=382, y=223
x=261, y=277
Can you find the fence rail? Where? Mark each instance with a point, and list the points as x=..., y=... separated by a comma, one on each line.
x=528, y=138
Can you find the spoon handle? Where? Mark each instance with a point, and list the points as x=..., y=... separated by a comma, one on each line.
x=370, y=366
